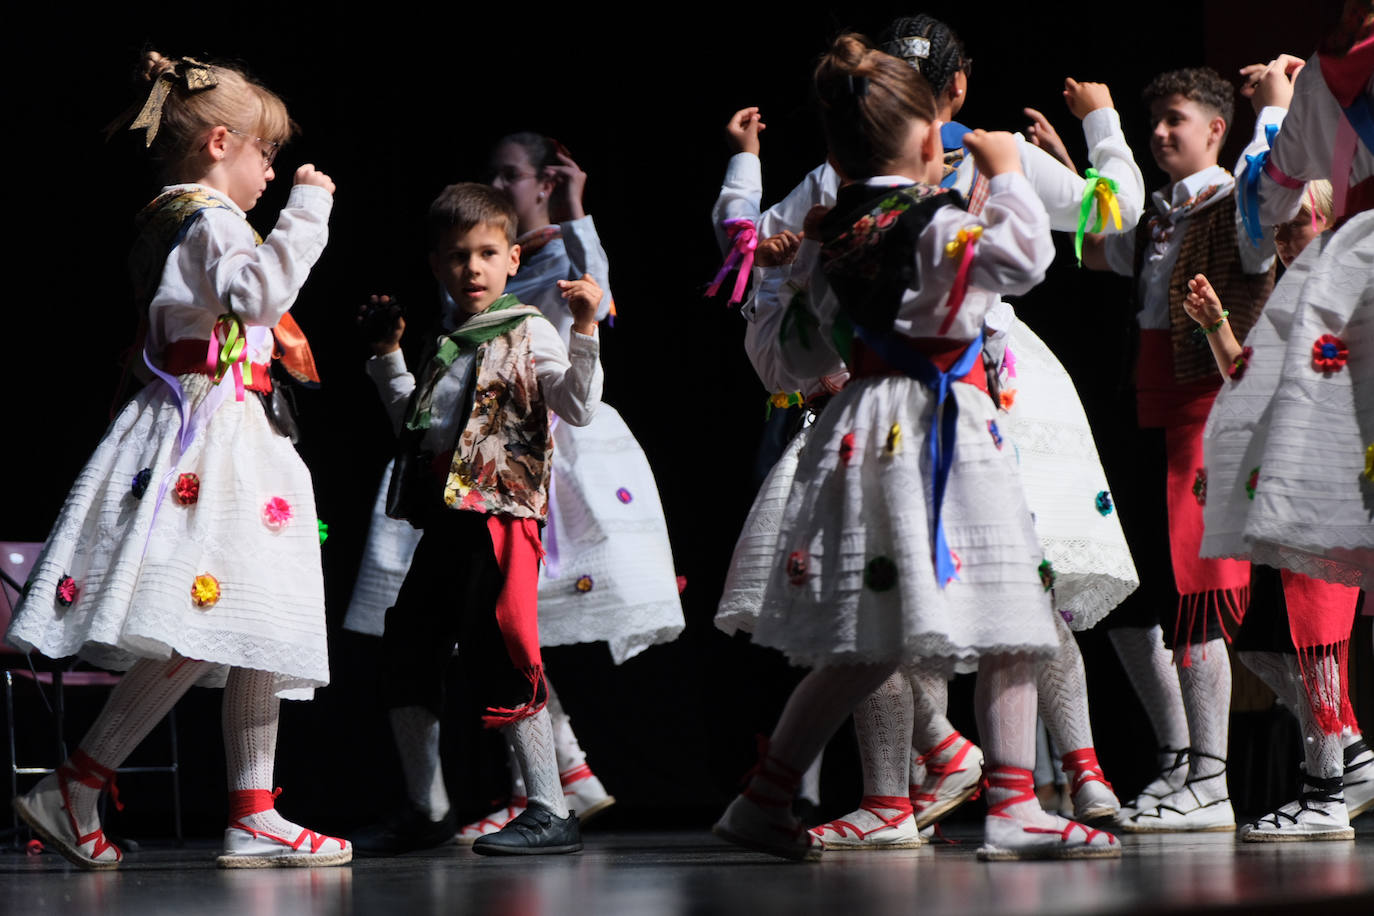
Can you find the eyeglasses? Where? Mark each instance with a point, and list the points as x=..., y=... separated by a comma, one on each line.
x=268, y=148
x=509, y=174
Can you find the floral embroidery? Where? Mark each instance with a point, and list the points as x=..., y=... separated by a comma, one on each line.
x=187, y=489
x=797, y=567
x=141, y=481
x=1252, y=482
x=1047, y=574
x=584, y=583
x=894, y=440
x=1104, y=503
x=205, y=591
x=1240, y=364
x=67, y=591
x=624, y=496
x=995, y=433
x=847, y=447
x=1200, y=487
x=276, y=513
x=880, y=574
x=1329, y=353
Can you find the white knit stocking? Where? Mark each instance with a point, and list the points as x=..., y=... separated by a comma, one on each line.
x=416, y=730
x=145, y=694
x=1004, y=702
x=1206, y=683
x=1062, y=688
x=1151, y=670
x=816, y=708
x=882, y=722
x=250, y=744
x=1323, y=751
x=930, y=698
x=568, y=752
x=1272, y=668
x=532, y=738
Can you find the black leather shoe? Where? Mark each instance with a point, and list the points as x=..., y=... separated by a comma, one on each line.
x=536, y=831
x=406, y=831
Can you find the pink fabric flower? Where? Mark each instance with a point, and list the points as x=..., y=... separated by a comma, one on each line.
x=67, y=591
x=276, y=513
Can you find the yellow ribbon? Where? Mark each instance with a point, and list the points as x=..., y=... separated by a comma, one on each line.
x=1102, y=191
x=232, y=350
x=954, y=249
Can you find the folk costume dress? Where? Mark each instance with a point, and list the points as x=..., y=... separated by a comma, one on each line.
x=192, y=528
x=1045, y=423
x=889, y=550
x=608, y=572
x=1288, y=442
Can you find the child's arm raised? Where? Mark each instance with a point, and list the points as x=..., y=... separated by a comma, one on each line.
x=570, y=375
x=741, y=194
x=1015, y=248
x=259, y=283
x=382, y=323
x=1203, y=306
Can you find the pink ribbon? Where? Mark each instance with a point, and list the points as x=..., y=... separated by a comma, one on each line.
x=745, y=239
x=960, y=285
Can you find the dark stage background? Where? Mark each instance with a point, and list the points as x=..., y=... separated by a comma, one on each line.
x=395, y=104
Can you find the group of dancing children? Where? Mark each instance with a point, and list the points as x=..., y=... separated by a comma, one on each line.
x=943, y=510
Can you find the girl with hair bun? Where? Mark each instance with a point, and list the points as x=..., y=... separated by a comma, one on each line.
x=188, y=551
x=1061, y=473
x=906, y=537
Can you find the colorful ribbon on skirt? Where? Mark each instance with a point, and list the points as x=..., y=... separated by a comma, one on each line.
x=944, y=423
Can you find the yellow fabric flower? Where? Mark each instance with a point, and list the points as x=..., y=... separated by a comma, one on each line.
x=205, y=590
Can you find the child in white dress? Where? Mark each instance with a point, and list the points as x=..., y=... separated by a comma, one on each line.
x=187, y=551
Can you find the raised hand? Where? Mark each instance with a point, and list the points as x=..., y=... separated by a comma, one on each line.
x=777, y=250
x=1272, y=83
x=308, y=174
x=994, y=151
x=1202, y=304
x=570, y=182
x=583, y=296
x=1042, y=133
x=742, y=132
x=382, y=323
x=1085, y=97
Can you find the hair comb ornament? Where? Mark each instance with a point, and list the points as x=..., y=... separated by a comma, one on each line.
x=913, y=48
x=194, y=76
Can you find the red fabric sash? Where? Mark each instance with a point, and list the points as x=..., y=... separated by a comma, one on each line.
x=1319, y=613
x=941, y=351
x=1197, y=579
x=515, y=542
x=187, y=357
x=1161, y=401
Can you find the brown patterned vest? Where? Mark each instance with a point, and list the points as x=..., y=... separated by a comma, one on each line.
x=1209, y=247
x=501, y=462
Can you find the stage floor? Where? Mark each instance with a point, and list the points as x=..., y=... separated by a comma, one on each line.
x=691, y=872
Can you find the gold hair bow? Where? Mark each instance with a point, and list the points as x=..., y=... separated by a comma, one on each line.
x=193, y=74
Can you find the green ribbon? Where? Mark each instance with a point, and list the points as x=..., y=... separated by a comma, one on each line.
x=474, y=332
x=1098, y=185
x=231, y=349
x=324, y=529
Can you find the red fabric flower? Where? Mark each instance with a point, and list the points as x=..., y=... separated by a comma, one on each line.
x=847, y=447
x=1240, y=364
x=187, y=489
x=1329, y=354
x=67, y=591
x=797, y=567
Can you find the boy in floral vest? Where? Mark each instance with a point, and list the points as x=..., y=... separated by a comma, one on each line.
x=1185, y=604
x=473, y=472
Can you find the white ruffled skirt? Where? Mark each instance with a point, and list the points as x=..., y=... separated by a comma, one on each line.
x=1306, y=432
x=133, y=561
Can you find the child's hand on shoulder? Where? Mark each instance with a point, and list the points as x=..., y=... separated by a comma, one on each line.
x=1042, y=133
x=994, y=151
x=777, y=250
x=1202, y=304
x=308, y=174
x=382, y=323
x=1083, y=98
x=583, y=296
x=743, y=130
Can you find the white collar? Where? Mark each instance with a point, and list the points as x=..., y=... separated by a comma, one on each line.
x=1180, y=192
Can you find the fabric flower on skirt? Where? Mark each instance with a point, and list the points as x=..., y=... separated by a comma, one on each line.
x=1252, y=482
x=187, y=489
x=1200, y=487
x=584, y=583
x=67, y=591
x=205, y=591
x=1103, y=503
x=276, y=513
x=141, y=481
x=1329, y=354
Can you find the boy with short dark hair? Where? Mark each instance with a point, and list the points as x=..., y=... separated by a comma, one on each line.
x=1193, y=228
x=473, y=472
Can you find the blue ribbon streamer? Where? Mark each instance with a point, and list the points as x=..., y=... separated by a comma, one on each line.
x=1249, y=198
x=1360, y=114
x=943, y=424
